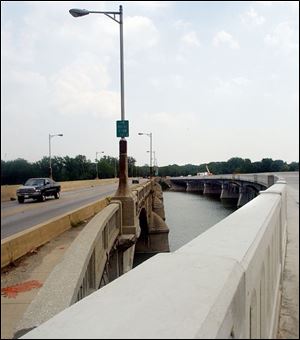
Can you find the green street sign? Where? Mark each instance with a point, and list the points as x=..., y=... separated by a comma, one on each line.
x=122, y=128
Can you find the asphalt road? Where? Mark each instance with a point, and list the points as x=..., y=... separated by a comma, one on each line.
x=16, y=217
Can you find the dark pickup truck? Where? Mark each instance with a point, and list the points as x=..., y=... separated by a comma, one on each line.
x=38, y=188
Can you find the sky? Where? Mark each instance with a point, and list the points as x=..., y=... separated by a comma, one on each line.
x=210, y=80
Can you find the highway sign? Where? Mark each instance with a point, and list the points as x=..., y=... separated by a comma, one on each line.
x=122, y=128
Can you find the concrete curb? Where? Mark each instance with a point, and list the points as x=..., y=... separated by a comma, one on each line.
x=17, y=245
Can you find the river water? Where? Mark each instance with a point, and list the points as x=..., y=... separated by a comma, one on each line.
x=187, y=216
x=190, y=214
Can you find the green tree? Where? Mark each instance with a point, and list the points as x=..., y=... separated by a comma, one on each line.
x=16, y=171
x=294, y=166
x=266, y=164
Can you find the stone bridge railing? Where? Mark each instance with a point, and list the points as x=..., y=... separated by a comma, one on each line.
x=226, y=283
x=142, y=193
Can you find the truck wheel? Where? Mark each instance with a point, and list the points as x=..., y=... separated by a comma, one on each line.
x=57, y=195
x=42, y=198
x=21, y=199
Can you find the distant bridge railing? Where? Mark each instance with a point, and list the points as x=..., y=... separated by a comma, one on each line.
x=232, y=189
x=264, y=179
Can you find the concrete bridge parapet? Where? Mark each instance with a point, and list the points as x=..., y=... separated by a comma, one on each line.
x=226, y=283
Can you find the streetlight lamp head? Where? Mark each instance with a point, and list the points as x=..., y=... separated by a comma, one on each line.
x=60, y=134
x=140, y=133
x=78, y=12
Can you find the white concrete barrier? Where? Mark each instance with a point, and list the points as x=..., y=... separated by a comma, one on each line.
x=223, y=284
x=80, y=271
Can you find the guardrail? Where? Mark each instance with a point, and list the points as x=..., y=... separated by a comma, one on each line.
x=15, y=246
x=223, y=284
x=81, y=269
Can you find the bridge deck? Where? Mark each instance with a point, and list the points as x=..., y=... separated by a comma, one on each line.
x=38, y=267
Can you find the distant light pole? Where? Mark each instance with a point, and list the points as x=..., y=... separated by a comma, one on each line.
x=97, y=176
x=155, y=172
x=50, y=136
x=123, y=189
x=155, y=164
x=149, y=135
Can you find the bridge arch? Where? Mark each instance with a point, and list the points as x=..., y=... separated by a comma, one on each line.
x=143, y=222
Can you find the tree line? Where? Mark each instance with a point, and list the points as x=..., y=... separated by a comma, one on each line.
x=63, y=169
x=80, y=168
x=235, y=165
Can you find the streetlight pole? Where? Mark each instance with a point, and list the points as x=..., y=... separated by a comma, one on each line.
x=123, y=189
x=154, y=164
x=50, y=136
x=97, y=176
x=149, y=135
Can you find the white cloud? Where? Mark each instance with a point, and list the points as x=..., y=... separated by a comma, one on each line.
x=283, y=37
x=177, y=81
x=251, y=18
x=140, y=33
x=225, y=38
x=171, y=120
x=240, y=81
x=82, y=89
x=163, y=83
x=190, y=39
x=163, y=118
x=152, y=5
x=180, y=58
x=232, y=86
x=181, y=24
x=61, y=74
x=155, y=82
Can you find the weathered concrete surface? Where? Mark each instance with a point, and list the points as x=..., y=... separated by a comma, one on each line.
x=36, y=266
x=289, y=312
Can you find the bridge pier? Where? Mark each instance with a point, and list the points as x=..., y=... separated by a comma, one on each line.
x=245, y=195
x=154, y=236
x=229, y=194
x=195, y=187
x=212, y=189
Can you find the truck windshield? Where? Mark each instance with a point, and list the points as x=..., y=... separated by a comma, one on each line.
x=35, y=182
